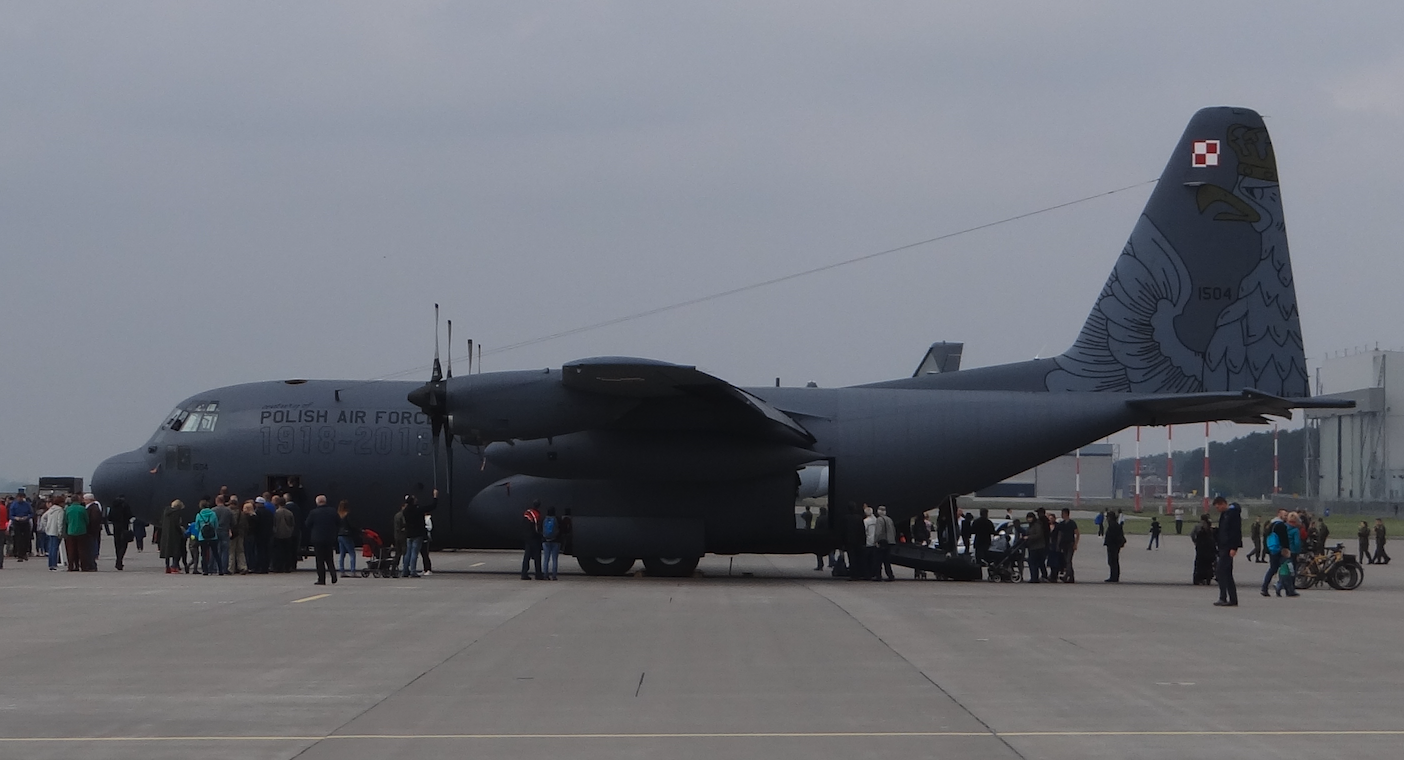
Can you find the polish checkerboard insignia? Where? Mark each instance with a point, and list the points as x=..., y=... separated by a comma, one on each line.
x=1206, y=153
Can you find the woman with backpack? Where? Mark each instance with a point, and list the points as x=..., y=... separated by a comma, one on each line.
x=551, y=545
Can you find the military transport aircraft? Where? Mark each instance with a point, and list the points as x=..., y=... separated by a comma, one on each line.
x=665, y=463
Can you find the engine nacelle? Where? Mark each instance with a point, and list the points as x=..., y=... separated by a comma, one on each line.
x=502, y=406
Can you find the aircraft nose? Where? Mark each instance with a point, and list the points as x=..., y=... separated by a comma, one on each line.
x=127, y=475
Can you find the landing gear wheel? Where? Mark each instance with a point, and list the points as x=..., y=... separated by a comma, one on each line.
x=606, y=565
x=671, y=567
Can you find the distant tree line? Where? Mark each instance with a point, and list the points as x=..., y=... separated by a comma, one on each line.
x=1238, y=468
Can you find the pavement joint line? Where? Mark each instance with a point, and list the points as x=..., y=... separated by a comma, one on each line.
x=312, y=598
x=699, y=735
x=989, y=730
x=427, y=671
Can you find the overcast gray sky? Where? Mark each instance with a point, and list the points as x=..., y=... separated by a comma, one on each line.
x=201, y=194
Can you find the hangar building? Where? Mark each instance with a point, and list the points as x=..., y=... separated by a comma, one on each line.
x=1358, y=454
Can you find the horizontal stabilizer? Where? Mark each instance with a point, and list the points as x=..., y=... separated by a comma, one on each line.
x=1248, y=406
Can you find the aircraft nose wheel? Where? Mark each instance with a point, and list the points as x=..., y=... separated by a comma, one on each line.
x=606, y=565
x=671, y=567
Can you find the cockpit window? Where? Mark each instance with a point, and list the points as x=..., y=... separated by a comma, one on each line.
x=195, y=418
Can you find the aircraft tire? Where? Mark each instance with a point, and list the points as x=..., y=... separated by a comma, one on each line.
x=606, y=565
x=671, y=567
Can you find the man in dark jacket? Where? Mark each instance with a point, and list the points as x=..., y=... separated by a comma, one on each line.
x=982, y=530
x=1115, y=539
x=119, y=525
x=261, y=554
x=1229, y=538
x=322, y=524
x=415, y=532
x=96, y=520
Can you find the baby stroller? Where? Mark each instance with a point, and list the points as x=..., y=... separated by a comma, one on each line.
x=1006, y=563
x=381, y=561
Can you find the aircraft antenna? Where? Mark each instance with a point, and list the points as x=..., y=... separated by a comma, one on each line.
x=448, y=428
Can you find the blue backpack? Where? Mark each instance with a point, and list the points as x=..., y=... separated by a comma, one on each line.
x=550, y=530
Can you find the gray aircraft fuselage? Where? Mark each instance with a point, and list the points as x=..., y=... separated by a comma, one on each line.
x=905, y=448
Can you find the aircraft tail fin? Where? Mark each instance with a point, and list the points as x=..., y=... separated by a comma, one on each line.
x=1201, y=298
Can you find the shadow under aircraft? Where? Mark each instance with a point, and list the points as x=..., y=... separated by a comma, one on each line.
x=664, y=463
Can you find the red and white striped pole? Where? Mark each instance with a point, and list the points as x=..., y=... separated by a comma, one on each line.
x=1138, y=468
x=1275, y=489
x=1206, y=468
x=1169, y=469
x=1077, y=478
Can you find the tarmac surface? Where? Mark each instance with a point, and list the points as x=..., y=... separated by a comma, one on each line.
x=772, y=660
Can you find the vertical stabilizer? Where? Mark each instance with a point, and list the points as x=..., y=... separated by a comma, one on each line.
x=1201, y=298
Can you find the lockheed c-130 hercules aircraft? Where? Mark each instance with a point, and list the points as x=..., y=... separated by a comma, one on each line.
x=666, y=463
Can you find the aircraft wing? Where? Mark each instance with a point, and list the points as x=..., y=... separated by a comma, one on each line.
x=1248, y=406
x=679, y=397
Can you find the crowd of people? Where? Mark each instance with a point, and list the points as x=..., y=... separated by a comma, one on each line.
x=67, y=529
x=225, y=536
x=267, y=534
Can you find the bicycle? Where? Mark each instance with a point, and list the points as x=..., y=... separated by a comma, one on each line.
x=1339, y=570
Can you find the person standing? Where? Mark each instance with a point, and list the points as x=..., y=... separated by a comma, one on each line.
x=1256, y=534
x=1067, y=537
x=259, y=544
x=967, y=522
x=415, y=532
x=224, y=534
x=238, y=548
x=97, y=522
x=428, y=544
x=1276, y=543
x=54, y=531
x=871, y=571
x=982, y=533
x=207, y=538
x=170, y=538
x=1036, y=540
x=75, y=533
x=531, y=540
x=345, y=537
x=119, y=523
x=1154, y=534
x=21, y=526
x=1114, y=540
x=139, y=533
x=1229, y=538
x=1179, y=519
x=1205, y=551
x=284, y=536
x=322, y=525
x=1380, y=558
x=1101, y=522
x=397, y=528
x=886, y=537
x=551, y=544
x=1364, y=535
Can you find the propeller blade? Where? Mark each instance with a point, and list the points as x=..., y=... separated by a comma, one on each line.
x=450, y=348
x=448, y=461
x=470, y=356
x=438, y=370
